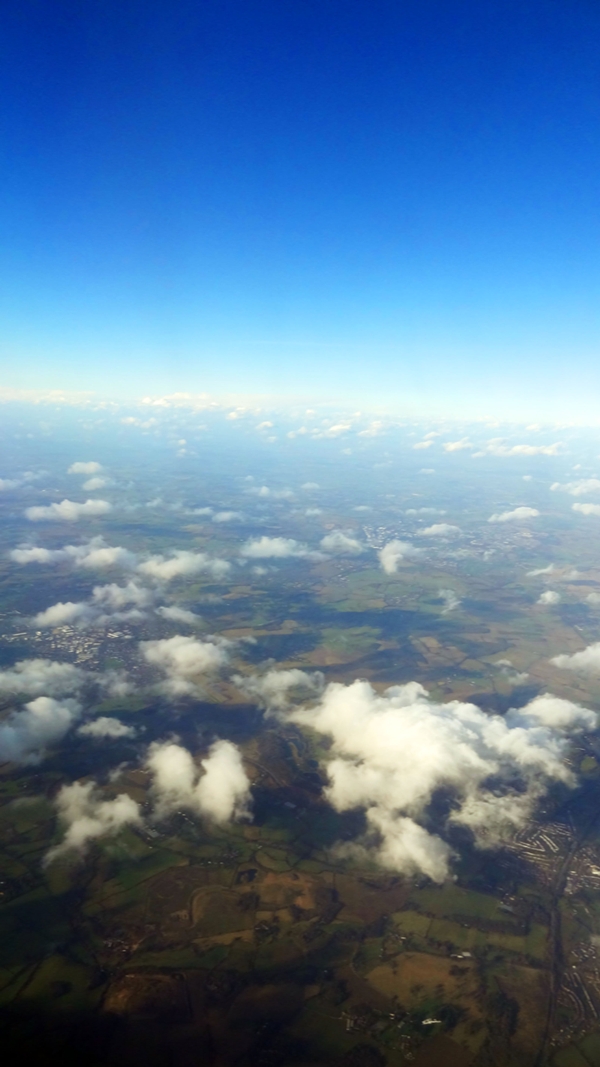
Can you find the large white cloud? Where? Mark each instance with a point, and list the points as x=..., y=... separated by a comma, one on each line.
x=516, y=515
x=184, y=660
x=87, y=817
x=220, y=793
x=181, y=564
x=64, y=613
x=68, y=511
x=585, y=662
x=394, y=552
x=391, y=752
x=44, y=721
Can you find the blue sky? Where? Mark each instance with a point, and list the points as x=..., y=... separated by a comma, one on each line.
x=395, y=202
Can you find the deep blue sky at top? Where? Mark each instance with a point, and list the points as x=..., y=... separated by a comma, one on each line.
x=393, y=200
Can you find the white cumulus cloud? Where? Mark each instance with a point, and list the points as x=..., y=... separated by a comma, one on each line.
x=440, y=529
x=25, y=734
x=87, y=817
x=549, y=597
x=182, y=564
x=578, y=488
x=218, y=790
x=184, y=660
x=587, y=509
x=106, y=727
x=391, y=752
x=516, y=515
x=585, y=662
x=274, y=548
x=272, y=690
x=177, y=614
x=85, y=468
x=68, y=511
x=42, y=677
x=338, y=543
x=394, y=552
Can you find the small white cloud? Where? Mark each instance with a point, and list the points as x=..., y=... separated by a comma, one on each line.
x=579, y=488
x=497, y=448
x=272, y=690
x=549, y=597
x=585, y=662
x=63, y=614
x=587, y=509
x=8, y=483
x=183, y=563
x=105, y=727
x=228, y=516
x=275, y=548
x=310, y=486
x=42, y=677
x=221, y=793
x=95, y=483
x=541, y=570
x=394, y=552
x=338, y=543
x=457, y=446
x=95, y=554
x=273, y=494
x=25, y=734
x=440, y=529
x=87, y=817
x=68, y=511
x=184, y=661
x=422, y=445
x=516, y=515
x=449, y=599
x=85, y=468
x=176, y=614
